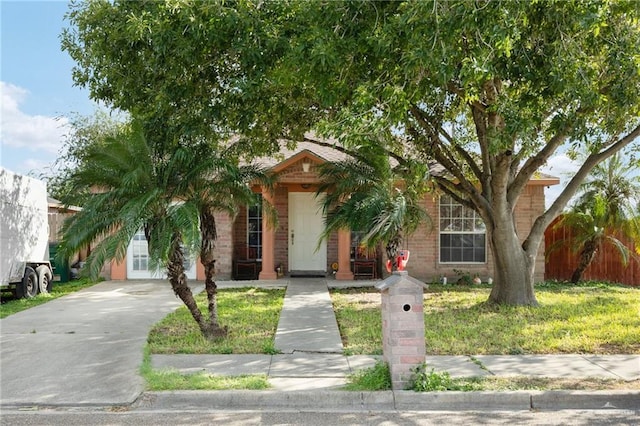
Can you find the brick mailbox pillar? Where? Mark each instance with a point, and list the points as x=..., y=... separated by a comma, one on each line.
x=403, y=342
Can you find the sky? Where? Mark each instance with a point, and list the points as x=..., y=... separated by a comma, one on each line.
x=39, y=97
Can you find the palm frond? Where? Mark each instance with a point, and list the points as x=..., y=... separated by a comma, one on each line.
x=367, y=194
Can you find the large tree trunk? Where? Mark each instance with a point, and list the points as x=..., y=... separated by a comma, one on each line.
x=513, y=266
x=178, y=280
x=587, y=254
x=209, y=235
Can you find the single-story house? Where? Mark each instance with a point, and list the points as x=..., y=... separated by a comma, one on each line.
x=248, y=248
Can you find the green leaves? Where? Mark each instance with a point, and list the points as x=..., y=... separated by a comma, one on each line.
x=371, y=195
x=487, y=90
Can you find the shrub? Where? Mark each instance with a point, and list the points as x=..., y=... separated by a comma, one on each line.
x=425, y=380
x=371, y=379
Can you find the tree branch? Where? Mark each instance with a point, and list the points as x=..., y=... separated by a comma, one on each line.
x=398, y=158
x=543, y=221
x=464, y=154
x=481, y=133
x=535, y=162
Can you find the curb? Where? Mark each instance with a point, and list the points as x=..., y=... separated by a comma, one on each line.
x=272, y=400
x=336, y=401
x=462, y=401
x=586, y=400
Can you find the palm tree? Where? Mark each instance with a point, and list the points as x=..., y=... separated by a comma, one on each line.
x=215, y=183
x=123, y=186
x=604, y=212
x=376, y=194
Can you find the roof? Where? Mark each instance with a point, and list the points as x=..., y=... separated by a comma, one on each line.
x=56, y=204
x=544, y=179
x=323, y=150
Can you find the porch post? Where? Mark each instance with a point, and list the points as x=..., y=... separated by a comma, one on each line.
x=268, y=243
x=344, y=255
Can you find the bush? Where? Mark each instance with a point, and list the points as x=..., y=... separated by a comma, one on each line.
x=371, y=379
x=425, y=380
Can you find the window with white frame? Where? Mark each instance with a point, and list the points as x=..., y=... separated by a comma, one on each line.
x=463, y=236
x=254, y=230
x=140, y=254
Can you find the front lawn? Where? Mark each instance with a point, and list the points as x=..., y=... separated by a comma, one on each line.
x=251, y=314
x=589, y=318
x=592, y=318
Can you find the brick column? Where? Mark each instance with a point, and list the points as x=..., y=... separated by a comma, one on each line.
x=403, y=342
x=268, y=243
x=344, y=255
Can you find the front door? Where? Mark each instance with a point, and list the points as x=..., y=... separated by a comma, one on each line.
x=305, y=226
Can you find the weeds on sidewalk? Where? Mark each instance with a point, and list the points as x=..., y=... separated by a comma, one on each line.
x=374, y=378
x=426, y=379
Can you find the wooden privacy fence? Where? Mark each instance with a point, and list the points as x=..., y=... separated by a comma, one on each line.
x=607, y=265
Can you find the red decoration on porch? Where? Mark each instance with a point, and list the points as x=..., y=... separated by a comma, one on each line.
x=403, y=258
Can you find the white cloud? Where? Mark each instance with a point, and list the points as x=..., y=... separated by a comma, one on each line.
x=563, y=167
x=35, y=133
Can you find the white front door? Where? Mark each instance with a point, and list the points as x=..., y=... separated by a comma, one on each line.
x=305, y=226
x=138, y=266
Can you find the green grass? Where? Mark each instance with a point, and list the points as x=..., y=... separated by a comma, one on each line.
x=374, y=378
x=590, y=318
x=593, y=318
x=168, y=380
x=425, y=379
x=11, y=306
x=250, y=314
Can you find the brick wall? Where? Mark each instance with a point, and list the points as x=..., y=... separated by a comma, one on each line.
x=224, y=245
x=424, y=262
x=423, y=244
x=403, y=338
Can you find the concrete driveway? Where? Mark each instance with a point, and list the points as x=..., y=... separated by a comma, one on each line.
x=81, y=349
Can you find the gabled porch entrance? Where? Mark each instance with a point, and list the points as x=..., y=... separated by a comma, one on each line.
x=307, y=252
x=292, y=246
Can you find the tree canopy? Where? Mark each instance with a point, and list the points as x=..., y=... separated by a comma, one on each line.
x=488, y=89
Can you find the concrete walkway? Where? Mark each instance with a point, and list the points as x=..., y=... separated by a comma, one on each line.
x=329, y=371
x=307, y=321
x=85, y=349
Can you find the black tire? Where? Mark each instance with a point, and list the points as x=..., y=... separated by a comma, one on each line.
x=28, y=288
x=44, y=279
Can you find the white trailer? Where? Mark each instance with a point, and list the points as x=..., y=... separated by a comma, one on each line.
x=24, y=233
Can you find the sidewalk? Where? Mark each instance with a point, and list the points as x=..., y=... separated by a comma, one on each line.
x=312, y=359
x=85, y=349
x=310, y=372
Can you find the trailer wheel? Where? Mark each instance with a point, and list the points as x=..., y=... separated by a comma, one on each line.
x=44, y=279
x=28, y=288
